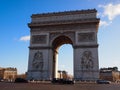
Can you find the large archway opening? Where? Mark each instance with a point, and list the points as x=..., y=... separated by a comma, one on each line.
x=65, y=61
x=62, y=65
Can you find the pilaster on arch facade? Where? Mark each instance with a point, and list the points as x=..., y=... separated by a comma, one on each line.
x=49, y=31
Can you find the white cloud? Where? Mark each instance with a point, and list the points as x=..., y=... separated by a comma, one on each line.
x=104, y=23
x=25, y=38
x=111, y=11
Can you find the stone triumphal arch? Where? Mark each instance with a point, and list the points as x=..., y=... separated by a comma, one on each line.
x=49, y=31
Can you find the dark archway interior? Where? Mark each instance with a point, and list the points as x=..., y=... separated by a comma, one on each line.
x=60, y=41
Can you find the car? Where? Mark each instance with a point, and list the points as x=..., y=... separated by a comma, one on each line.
x=68, y=81
x=103, y=82
x=20, y=80
x=54, y=80
x=1, y=80
x=62, y=81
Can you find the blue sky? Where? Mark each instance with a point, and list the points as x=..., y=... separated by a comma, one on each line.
x=14, y=32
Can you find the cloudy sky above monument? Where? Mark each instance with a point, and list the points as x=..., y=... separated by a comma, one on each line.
x=15, y=34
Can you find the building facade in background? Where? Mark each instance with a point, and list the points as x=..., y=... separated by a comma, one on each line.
x=8, y=74
x=111, y=74
x=1, y=73
x=64, y=75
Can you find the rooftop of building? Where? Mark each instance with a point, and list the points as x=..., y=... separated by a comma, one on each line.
x=109, y=69
x=9, y=68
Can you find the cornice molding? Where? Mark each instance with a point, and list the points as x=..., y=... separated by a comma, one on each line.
x=81, y=21
x=38, y=47
x=64, y=13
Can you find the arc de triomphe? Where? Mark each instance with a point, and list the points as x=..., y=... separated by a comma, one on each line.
x=48, y=31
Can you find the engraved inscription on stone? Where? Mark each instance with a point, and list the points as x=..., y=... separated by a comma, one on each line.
x=87, y=60
x=86, y=37
x=39, y=39
x=37, y=62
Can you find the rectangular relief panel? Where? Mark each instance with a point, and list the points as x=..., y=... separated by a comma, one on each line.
x=86, y=37
x=39, y=39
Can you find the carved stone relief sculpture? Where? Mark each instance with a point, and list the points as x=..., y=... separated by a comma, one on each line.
x=37, y=62
x=87, y=60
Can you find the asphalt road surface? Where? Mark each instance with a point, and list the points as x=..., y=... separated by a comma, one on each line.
x=49, y=86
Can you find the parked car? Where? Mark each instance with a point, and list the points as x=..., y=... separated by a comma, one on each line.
x=54, y=80
x=62, y=81
x=70, y=81
x=103, y=82
x=1, y=80
x=20, y=80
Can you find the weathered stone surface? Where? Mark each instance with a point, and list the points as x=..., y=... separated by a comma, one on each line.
x=51, y=30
